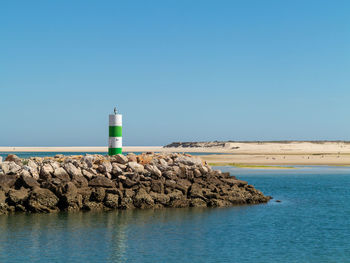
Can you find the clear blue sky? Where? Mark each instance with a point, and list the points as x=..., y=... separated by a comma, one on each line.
x=177, y=70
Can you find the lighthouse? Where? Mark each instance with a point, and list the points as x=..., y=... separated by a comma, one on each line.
x=115, y=133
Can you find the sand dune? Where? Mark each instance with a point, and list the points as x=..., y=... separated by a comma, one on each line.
x=285, y=147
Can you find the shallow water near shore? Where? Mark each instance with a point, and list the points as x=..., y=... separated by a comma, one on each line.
x=310, y=225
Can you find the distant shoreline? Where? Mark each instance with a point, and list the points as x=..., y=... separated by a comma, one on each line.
x=241, y=160
x=228, y=147
x=334, y=153
x=181, y=144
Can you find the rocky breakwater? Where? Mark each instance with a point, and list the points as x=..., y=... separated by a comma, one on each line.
x=96, y=182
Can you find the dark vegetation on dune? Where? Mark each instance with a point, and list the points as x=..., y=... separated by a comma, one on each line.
x=223, y=143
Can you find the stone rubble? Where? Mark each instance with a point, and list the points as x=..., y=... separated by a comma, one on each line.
x=97, y=182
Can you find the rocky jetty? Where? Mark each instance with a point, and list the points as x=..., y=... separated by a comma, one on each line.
x=96, y=182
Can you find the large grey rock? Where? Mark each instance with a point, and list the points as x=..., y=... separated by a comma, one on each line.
x=171, y=175
x=42, y=200
x=116, y=170
x=85, y=192
x=61, y=174
x=137, y=168
x=27, y=182
x=46, y=171
x=132, y=157
x=17, y=196
x=111, y=200
x=163, y=163
x=14, y=167
x=80, y=181
x=105, y=167
x=188, y=160
x=8, y=180
x=119, y=158
x=126, y=181
x=121, y=166
x=203, y=169
x=153, y=170
x=88, y=174
x=30, y=170
x=10, y=167
x=69, y=197
x=32, y=164
x=101, y=181
x=25, y=173
x=160, y=198
x=142, y=199
x=98, y=194
x=196, y=191
x=72, y=170
x=32, y=167
x=157, y=186
x=171, y=184
x=65, y=188
x=197, y=173
x=127, y=201
x=89, y=160
x=55, y=165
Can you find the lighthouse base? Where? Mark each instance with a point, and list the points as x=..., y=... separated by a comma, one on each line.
x=114, y=151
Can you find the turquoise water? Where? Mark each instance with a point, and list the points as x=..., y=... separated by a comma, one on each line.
x=311, y=224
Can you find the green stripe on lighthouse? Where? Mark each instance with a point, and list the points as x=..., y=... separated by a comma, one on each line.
x=115, y=131
x=114, y=151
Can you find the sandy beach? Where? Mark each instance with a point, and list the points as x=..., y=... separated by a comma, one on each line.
x=278, y=159
x=279, y=153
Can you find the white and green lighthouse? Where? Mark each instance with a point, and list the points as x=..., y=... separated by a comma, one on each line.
x=115, y=133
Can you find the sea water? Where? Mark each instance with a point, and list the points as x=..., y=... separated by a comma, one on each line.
x=310, y=224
